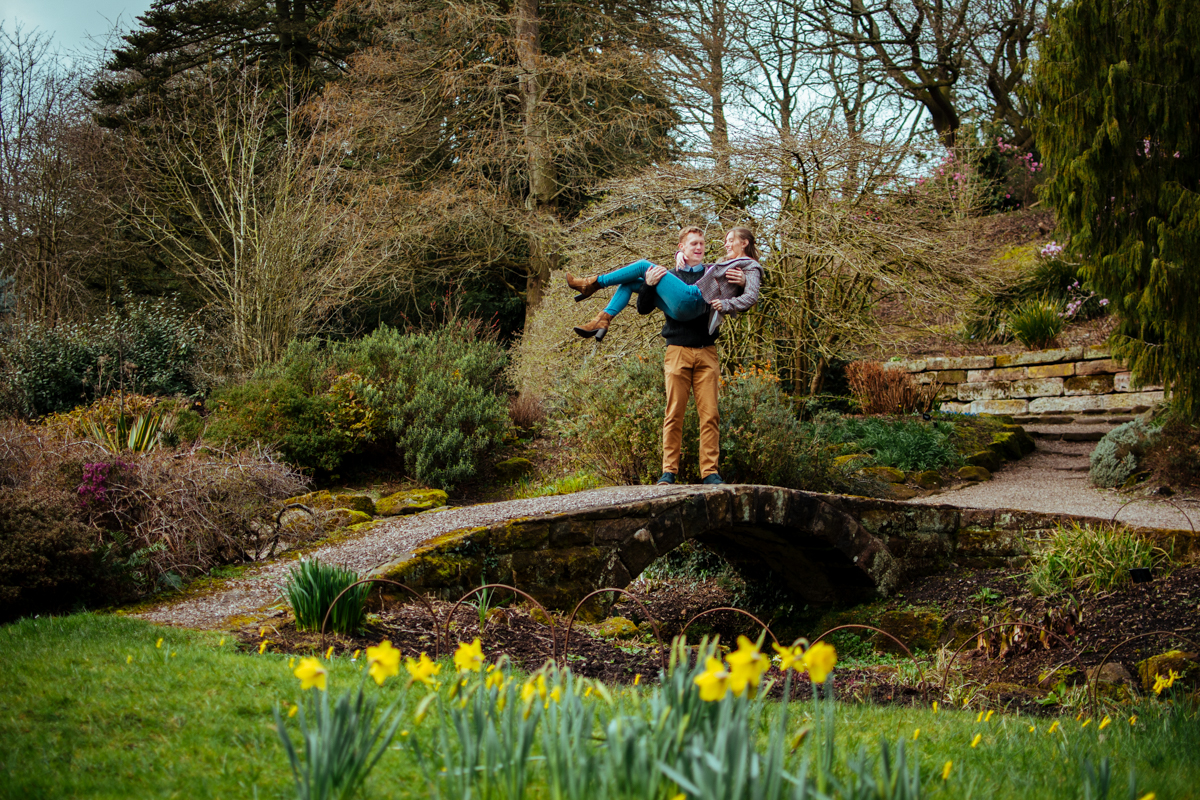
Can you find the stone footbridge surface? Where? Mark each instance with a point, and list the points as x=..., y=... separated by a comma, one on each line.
x=821, y=547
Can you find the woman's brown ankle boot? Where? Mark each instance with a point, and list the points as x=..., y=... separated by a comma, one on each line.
x=585, y=286
x=596, y=328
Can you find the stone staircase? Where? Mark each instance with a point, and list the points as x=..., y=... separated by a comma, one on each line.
x=1065, y=443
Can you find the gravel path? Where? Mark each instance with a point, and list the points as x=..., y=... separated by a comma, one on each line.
x=256, y=594
x=1054, y=479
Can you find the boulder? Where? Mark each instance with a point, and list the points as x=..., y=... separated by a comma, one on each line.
x=898, y=491
x=927, y=479
x=326, y=501
x=345, y=518
x=974, y=473
x=919, y=630
x=883, y=474
x=410, y=502
x=851, y=461
x=1183, y=664
x=988, y=459
x=617, y=628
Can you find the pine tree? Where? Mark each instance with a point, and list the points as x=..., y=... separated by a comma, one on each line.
x=1119, y=88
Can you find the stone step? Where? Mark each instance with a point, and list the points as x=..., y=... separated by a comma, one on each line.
x=1068, y=436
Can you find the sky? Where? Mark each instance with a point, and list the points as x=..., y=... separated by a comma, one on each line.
x=72, y=22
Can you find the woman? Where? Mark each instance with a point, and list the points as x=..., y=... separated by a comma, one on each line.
x=713, y=294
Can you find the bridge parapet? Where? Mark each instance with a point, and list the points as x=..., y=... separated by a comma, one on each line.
x=823, y=548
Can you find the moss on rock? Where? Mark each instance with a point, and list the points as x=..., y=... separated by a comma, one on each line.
x=974, y=474
x=617, y=628
x=410, y=502
x=1185, y=665
x=512, y=468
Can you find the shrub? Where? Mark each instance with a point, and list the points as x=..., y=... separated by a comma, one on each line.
x=905, y=444
x=311, y=589
x=888, y=391
x=149, y=349
x=763, y=441
x=1174, y=457
x=46, y=558
x=1048, y=278
x=1037, y=323
x=438, y=398
x=1091, y=559
x=1118, y=455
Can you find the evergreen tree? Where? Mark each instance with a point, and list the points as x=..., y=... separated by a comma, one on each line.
x=1119, y=88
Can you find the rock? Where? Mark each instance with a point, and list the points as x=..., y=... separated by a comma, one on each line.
x=988, y=459
x=325, y=501
x=851, y=461
x=513, y=468
x=928, y=479
x=974, y=474
x=617, y=628
x=410, y=502
x=1185, y=664
x=1112, y=680
x=883, y=474
x=1006, y=445
x=346, y=517
x=898, y=491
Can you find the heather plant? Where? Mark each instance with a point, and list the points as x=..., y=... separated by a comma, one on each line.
x=310, y=590
x=1117, y=457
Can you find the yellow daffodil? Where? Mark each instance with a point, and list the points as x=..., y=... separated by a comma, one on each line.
x=1053, y=727
x=790, y=658
x=384, y=661
x=979, y=718
x=423, y=669
x=159, y=642
x=494, y=680
x=714, y=681
x=292, y=711
x=311, y=673
x=355, y=656
x=1086, y=722
x=820, y=660
x=978, y=738
x=1133, y=720
x=329, y=652
x=916, y=734
x=989, y=716
x=935, y=706
x=262, y=646
x=946, y=770
x=1033, y=728
x=637, y=679
x=469, y=657
x=128, y=659
x=746, y=666
x=680, y=796
x=262, y=632
x=534, y=686
x=1164, y=681
x=291, y=662
x=555, y=695
x=1149, y=796
x=222, y=642
x=1104, y=723
x=799, y=738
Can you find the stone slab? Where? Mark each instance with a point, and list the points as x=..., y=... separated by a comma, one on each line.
x=1088, y=384
x=1005, y=374
x=956, y=408
x=960, y=362
x=992, y=390
x=951, y=375
x=999, y=406
x=1133, y=400
x=1040, y=357
x=1123, y=382
x=1045, y=387
x=1100, y=366
x=1052, y=370
x=1096, y=351
x=1073, y=405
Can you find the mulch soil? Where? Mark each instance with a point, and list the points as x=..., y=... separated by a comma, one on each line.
x=1085, y=629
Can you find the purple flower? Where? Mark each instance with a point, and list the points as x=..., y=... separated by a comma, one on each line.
x=1103, y=301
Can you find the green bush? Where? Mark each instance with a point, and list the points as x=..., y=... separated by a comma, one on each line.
x=1036, y=323
x=1048, y=279
x=1091, y=559
x=762, y=439
x=438, y=398
x=311, y=589
x=46, y=558
x=908, y=444
x=1118, y=455
x=150, y=349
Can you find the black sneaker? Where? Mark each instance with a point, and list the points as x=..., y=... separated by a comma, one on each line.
x=666, y=479
x=712, y=479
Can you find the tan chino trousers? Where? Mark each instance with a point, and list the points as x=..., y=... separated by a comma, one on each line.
x=695, y=371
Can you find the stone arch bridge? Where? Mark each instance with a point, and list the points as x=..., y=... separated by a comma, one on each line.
x=824, y=548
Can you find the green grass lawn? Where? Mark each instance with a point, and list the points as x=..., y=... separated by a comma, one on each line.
x=94, y=708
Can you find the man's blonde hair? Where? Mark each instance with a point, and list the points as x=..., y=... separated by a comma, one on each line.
x=683, y=234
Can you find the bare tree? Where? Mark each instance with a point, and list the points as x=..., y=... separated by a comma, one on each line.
x=249, y=207
x=956, y=59
x=54, y=224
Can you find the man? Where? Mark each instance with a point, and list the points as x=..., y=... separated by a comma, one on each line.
x=690, y=365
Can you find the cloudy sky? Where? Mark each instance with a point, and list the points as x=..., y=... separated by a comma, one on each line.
x=72, y=22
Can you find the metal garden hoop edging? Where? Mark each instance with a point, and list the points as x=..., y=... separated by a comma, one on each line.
x=1127, y=503
x=409, y=589
x=903, y=646
x=761, y=624
x=975, y=637
x=662, y=656
x=1095, y=682
x=514, y=590
x=279, y=523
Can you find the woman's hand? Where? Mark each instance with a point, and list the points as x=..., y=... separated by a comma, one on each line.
x=736, y=277
x=680, y=261
x=719, y=305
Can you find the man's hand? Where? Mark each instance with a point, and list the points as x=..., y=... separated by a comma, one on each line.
x=736, y=277
x=655, y=273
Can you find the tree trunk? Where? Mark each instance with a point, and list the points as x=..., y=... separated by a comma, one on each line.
x=540, y=199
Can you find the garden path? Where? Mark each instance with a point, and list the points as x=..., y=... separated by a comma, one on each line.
x=1054, y=480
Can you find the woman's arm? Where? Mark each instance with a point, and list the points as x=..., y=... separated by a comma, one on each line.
x=749, y=295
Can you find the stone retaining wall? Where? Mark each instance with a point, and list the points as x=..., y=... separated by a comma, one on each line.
x=1070, y=380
